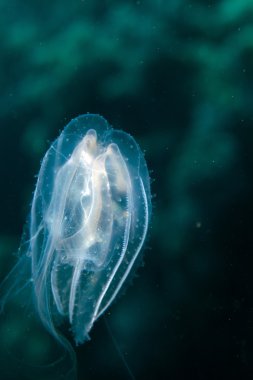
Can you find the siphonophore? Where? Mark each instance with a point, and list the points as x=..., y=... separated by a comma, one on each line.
x=88, y=222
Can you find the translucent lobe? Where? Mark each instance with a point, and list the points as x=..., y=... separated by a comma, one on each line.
x=89, y=219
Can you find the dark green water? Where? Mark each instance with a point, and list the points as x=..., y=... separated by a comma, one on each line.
x=177, y=75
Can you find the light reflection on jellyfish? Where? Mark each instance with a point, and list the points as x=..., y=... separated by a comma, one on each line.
x=89, y=218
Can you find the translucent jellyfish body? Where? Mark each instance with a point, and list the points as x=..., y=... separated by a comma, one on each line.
x=89, y=218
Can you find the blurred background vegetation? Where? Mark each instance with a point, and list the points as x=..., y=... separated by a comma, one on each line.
x=177, y=75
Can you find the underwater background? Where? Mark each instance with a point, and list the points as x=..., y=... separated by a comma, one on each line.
x=178, y=76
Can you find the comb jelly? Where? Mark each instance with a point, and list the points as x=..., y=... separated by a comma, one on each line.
x=88, y=222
